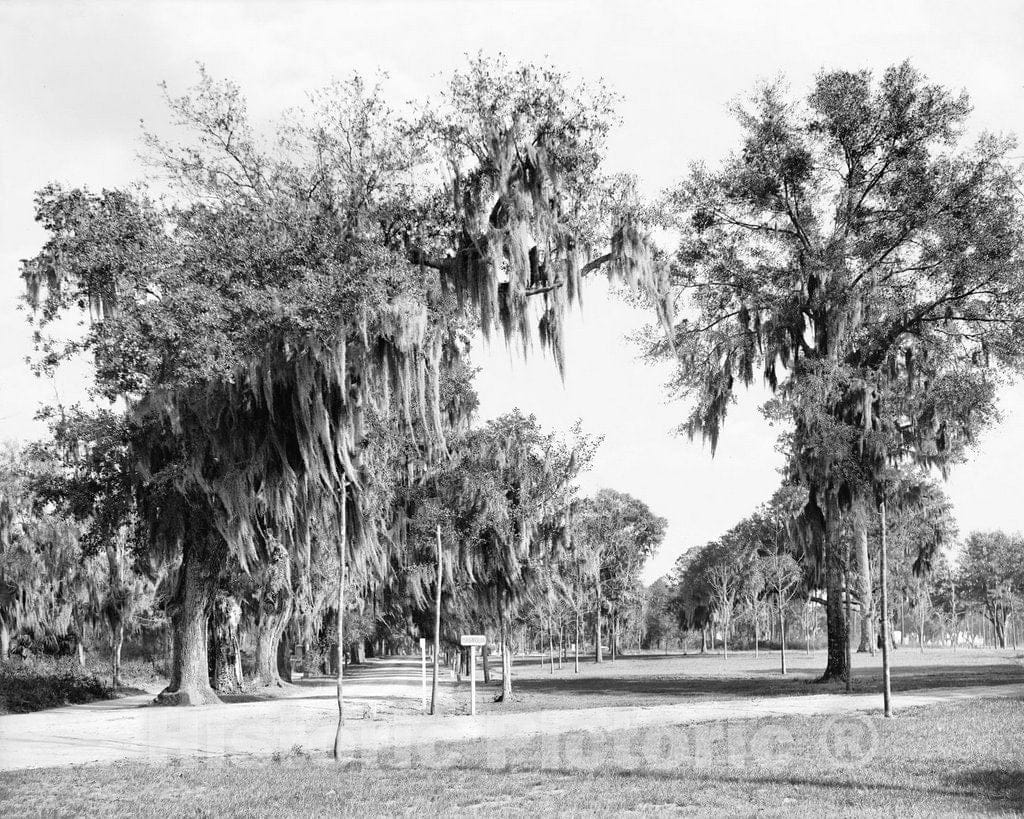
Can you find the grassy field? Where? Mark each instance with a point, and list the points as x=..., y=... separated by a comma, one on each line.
x=656, y=679
x=957, y=758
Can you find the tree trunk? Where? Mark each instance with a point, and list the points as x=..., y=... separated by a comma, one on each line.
x=703, y=641
x=190, y=613
x=956, y=624
x=506, y=661
x=884, y=572
x=437, y=626
x=284, y=655
x=756, y=636
x=269, y=633
x=576, y=662
x=835, y=620
x=485, y=654
x=615, y=634
x=116, y=642
x=237, y=663
x=1000, y=629
x=5, y=639
x=867, y=605
x=551, y=646
x=782, y=636
x=598, y=656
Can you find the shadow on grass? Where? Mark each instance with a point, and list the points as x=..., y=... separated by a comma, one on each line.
x=759, y=684
x=997, y=789
x=1007, y=783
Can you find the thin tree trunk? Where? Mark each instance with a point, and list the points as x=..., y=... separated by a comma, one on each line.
x=437, y=625
x=237, y=652
x=597, y=629
x=190, y=613
x=116, y=642
x=782, y=636
x=956, y=629
x=551, y=645
x=615, y=633
x=849, y=636
x=506, y=661
x=886, y=693
x=576, y=662
x=756, y=646
x=5, y=639
x=342, y=579
x=485, y=653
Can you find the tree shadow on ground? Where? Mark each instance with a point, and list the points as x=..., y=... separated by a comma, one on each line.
x=756, y=683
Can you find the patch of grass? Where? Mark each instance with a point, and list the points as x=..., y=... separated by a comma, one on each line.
x=29, y=688
x=955, y=758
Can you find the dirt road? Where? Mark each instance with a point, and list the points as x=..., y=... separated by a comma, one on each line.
x=383, y=705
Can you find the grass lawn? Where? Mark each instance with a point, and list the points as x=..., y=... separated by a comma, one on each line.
x=656, y=679
x=955, y=758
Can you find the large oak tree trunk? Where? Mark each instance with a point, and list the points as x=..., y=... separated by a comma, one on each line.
x=190, y=614
x=835, y=618
x=269, y=632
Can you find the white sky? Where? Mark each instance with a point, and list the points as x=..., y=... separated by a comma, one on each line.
x=75, y=79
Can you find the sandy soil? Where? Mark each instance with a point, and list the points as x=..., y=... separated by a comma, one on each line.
x=383, y=702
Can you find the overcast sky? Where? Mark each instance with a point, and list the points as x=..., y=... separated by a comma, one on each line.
x=76, y=78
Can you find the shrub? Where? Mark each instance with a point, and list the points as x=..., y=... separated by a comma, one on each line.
x=24, y=688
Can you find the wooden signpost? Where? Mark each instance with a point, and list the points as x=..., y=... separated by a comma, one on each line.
x=472, y=640
x=423, y=671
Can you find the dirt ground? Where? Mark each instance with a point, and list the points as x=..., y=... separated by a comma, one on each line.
x=384, y=706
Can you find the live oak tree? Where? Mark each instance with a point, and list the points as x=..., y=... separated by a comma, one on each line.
x=868, y=266
x=291, y=295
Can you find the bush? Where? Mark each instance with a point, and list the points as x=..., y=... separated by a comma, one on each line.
x=25, y=688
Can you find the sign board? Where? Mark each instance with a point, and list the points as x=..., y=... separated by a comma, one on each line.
x=473, y=640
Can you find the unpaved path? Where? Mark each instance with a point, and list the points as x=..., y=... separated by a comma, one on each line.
x=383, y=705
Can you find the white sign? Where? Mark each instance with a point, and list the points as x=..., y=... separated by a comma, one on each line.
x=473, y=640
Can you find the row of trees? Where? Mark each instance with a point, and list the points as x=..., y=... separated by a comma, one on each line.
x=867, y=265
x=283, y=336
x=758, y=577
x=282, y=339
x=519, y=551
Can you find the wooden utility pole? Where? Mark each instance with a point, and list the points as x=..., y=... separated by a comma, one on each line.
x=437, y=626
x=956, y=630
x=342, y=549
x=849, y=626
x=886, y=692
